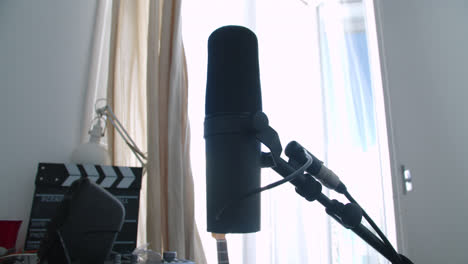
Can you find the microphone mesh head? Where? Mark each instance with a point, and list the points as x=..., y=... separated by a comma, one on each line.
x=233, y=79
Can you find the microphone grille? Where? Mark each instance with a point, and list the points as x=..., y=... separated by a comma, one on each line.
x=233, y=78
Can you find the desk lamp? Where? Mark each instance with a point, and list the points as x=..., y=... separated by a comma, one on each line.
x=93, y=152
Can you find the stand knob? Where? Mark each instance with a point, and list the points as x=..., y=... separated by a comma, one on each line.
x=169, y=256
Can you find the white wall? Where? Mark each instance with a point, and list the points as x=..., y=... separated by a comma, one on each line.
x=44, y=54
x=425, y=54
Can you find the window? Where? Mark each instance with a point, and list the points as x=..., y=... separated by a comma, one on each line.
x=352, y=145
x=318, y=88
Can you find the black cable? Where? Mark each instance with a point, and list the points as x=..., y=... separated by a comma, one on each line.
x=376, y=228
x=289, y=178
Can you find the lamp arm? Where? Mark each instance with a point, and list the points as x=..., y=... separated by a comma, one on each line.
x=133, y=148
x=107, y=111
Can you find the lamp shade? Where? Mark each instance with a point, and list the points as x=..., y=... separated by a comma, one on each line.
x=92, y=152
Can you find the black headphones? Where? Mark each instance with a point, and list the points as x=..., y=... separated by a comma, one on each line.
x=52, y=247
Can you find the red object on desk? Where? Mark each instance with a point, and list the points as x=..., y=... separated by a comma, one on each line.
x=9, y=233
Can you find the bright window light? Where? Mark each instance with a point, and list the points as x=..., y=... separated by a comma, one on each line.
x=318, y=83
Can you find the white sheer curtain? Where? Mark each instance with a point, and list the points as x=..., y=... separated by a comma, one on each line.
x=293, y=230
x=327, y=119
x=98, y=66
x=353, y=145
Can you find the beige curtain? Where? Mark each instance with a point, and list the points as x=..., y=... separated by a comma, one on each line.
x=127, y=87
x=148, y=87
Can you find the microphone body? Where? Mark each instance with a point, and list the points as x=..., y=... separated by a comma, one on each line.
x=232, y=150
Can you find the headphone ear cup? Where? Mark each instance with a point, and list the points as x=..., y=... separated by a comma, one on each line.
x=51, y=248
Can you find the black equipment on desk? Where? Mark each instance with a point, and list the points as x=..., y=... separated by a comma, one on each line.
x=54, y=180
x=85, y=226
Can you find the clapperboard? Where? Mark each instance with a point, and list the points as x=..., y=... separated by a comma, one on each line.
x=53, y=181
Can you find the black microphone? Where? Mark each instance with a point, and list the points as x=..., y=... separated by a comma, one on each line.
x=327, y=177
x=232, y=150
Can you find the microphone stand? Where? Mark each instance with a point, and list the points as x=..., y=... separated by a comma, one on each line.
x=349, y=215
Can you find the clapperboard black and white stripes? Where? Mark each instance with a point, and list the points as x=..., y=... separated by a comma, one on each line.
x=53, y=181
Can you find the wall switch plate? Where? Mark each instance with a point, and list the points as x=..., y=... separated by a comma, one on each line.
x=407, y=179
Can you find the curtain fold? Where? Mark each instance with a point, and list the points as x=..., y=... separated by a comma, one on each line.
x=126, y=91
x=148, y=92
x=170, y=201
